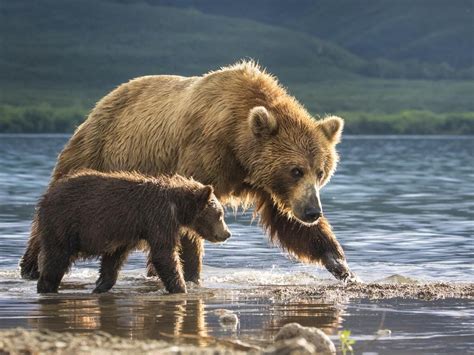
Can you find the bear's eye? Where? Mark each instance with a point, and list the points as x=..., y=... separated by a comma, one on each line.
x=297, y=173
x=320, y=175
x=212, y=203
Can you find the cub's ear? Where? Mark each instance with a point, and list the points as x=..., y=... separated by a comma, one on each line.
x=332, y=127
x=262, y=123
x=203, y=195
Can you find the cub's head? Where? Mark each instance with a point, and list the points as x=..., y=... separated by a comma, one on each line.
x=293, y=158
x=209, y=220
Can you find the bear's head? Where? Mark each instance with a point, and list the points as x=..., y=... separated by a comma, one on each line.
x=209, y=220
x=293, y=158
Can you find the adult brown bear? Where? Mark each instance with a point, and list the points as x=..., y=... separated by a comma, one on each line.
x=236, y=129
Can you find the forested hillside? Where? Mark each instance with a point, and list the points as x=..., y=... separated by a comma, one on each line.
x=433, y=31
x=57, y=57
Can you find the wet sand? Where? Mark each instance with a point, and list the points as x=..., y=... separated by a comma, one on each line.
x=22, y=341
x=415, y=290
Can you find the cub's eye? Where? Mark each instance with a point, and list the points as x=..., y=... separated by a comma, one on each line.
x=212, y=203
x=297, y=173
x=320, y=175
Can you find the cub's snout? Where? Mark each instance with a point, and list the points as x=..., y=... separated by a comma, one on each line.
x=223, y=236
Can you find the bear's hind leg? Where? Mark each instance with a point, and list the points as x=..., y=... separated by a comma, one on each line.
x=109, y=269
x=192, y=247
x=53, y=265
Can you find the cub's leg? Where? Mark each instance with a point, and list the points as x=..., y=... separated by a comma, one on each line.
x=167, y=264
x=54, y=261
x=109, y=268
x=191, y=253
x=192, y=250
x=150, y=268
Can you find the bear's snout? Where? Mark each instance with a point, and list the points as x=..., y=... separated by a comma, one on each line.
x=312, y=214
x=308, y=209
x=221, y=237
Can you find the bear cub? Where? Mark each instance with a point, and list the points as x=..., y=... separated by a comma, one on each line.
x=92, y=214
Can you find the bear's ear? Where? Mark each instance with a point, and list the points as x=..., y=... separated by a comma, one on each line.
x=332, y=127
x=203, y=195
x=262, y=123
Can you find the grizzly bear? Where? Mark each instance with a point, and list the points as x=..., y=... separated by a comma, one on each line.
x=236, y=129
x=91, y=214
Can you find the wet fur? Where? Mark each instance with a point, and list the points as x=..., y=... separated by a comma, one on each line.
x=200, y=127
x=93, y=214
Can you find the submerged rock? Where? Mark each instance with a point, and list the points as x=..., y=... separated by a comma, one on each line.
x=384, y=332
x=294, y=346
x=314, y=336
x=227, y=318
x=398, y=279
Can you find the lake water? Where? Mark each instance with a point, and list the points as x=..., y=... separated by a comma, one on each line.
x=398, y=205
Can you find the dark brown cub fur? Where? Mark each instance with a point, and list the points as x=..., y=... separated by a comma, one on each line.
x=91, y=214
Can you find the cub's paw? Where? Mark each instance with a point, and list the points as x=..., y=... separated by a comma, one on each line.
x=45, y=286
x=178, y=287
x=102, y=286
x=194, y=282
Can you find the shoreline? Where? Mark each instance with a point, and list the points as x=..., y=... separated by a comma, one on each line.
x=427, y=291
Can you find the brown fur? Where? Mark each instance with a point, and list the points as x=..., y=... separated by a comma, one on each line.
x=236, y=129
x=92, y=214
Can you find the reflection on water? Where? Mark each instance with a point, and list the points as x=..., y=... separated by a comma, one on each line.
x=398, y=205
x=136, y=310
x=134, y=318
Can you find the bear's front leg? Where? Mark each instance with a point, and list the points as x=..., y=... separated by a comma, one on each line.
x=191, y=253
x=167, y=264
x=109, y=268
x=315, y=243
x=54, y=261
x=192, y=249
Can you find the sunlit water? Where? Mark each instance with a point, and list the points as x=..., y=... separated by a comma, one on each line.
x=398, y=205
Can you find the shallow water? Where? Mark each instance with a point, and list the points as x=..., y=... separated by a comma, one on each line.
x=399, y=205
x=417, y=327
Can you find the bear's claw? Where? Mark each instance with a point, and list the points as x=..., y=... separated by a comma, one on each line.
x=339, y=268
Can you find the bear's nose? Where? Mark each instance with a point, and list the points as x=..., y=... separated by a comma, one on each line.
x=226, y=235
x=312, y=214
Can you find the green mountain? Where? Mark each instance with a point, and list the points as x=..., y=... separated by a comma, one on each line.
x=435, y=31
x=99, y=43
x=57, y=57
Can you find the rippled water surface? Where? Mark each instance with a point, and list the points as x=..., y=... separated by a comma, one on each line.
x=398, y=205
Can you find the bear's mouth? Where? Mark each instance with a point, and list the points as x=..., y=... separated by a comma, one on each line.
x=220, y=238
x=309, y=221
x=308, y=216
